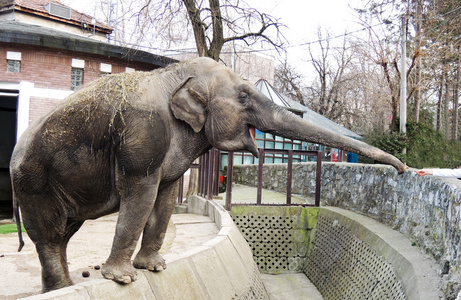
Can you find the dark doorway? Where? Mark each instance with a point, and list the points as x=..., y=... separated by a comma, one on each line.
x=8, y=123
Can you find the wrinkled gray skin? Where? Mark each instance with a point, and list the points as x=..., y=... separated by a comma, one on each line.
x=124, y=150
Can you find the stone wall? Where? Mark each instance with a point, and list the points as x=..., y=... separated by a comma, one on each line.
x=425, y=209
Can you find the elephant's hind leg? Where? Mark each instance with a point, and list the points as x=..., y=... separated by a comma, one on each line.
x=52, y=248
x=154, y=232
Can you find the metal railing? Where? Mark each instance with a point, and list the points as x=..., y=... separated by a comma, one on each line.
x=209, y=166
x=208, y=181
x=262, y=154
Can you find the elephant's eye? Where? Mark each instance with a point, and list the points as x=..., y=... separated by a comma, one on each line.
x=243, y=97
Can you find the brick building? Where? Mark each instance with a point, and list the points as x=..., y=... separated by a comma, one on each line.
x=47, y=50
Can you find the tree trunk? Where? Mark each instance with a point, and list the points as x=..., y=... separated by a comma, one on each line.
x=446, y=116
x=456, y=102
x=418, y=42
x=193, y=183
x=197, y=25
x=440, y=102
x=218, y=34
x=394, y=99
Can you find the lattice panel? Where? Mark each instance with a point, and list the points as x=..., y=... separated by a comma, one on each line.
x=342, y=266
x=257, y=290
x=278, y=242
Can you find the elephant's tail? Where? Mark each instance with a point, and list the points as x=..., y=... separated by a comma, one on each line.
x=17, y=217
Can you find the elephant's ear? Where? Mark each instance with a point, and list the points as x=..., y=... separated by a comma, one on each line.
x=188, y=105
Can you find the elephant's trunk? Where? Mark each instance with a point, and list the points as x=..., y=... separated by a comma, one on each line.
x=279, y=121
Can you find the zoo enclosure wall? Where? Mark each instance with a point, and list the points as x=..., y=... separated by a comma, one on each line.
x=426, y=209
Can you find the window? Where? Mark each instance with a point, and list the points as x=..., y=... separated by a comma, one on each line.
x=76, y=78
x=13, y=61
x=13, y=66
x=105, y=69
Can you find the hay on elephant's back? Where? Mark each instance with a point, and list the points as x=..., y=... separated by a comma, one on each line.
x=113, y=89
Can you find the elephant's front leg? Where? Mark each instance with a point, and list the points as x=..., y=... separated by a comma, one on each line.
x=136, y=204
x=148, y=256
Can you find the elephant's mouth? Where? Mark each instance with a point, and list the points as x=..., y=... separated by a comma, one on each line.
x=252, y=131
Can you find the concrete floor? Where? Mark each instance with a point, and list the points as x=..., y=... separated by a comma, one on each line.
x=290, y=286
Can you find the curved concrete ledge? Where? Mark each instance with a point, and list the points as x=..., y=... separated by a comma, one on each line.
x=222, y=268
x=367, y=258
x=425, y=209
x=344, y=254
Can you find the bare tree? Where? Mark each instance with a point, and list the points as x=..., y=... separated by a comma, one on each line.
x=289, y=82
x=213, y=23
x=417, y=23
x=330, y=64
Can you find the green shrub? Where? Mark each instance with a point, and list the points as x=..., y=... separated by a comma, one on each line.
x=425, y=147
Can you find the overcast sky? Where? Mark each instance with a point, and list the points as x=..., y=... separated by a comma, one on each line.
x=302, y=18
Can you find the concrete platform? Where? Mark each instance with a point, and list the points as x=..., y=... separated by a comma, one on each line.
x=189, y=238
x=89, y=248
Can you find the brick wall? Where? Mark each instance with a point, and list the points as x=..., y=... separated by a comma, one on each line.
x=40, y=106
x=49, y=68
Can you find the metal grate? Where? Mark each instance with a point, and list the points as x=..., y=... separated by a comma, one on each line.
x=58, y=10
x=278, y=242
x=342, y=266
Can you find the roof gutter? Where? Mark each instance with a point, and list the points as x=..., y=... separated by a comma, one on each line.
x=14, y=35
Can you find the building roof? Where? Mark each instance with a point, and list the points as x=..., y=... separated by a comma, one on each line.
x=39, y=8
x=27, y=34
x=269, y=91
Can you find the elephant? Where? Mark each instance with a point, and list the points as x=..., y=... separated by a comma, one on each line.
x=121, y=143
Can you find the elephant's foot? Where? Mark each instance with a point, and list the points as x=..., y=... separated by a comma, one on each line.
x=153, y=262
x=51, y=285
x=119, y=272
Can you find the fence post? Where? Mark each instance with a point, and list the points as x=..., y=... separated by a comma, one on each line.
x=200, y=179
x=318, y=177
x=260, y=176
x=181, y=189
x=217, y=162
x=230, y=175
x=289, y=176
x=209, y=179
x=205, y=174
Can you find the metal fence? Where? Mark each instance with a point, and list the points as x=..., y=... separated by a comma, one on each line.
x=209, y=175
